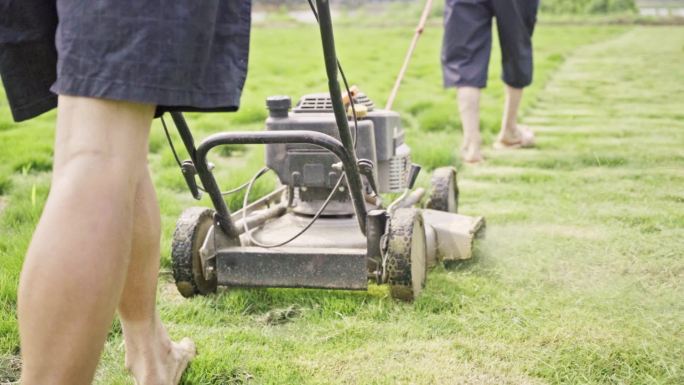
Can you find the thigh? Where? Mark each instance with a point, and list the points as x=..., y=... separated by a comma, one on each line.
x=102, y=132
x=467, y=42
x=515, y=20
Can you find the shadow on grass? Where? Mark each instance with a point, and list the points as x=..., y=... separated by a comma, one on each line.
x=273, y=305
x=273, y=300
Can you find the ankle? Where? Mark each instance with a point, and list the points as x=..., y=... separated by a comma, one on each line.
x=472, y=140
x=140, y=335
x=471, y=152
x=509, y=132
x=133, y=330
x=472, y=146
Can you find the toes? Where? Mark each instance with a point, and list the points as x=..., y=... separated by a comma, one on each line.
x=188, y=347
x=180, y=369
x=186, y=351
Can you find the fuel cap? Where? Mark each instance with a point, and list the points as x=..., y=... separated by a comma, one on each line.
x=278, y=105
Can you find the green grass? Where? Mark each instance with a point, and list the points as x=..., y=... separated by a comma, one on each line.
x=579, y=279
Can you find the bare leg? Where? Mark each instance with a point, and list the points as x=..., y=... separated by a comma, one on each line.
x=469, y=106
x=511, y=132
x=76, y=265
x=151, y=356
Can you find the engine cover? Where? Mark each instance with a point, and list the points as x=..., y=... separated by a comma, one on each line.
x=379, y=139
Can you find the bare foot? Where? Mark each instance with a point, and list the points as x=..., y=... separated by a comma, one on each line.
x=521, y=137
x=471, y=154
x=153, y=359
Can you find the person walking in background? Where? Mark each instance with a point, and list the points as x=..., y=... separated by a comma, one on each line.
x=109, y=66
x=465, y=59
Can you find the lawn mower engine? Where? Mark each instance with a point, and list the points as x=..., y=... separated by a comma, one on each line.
x=312, y=173
x=379, y=144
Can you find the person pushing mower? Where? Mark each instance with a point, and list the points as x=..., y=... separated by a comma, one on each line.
x=108, y=66
x=465, y=60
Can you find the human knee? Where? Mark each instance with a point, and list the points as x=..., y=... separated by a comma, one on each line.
x=469, y=97
x=97, y=165
x=104, y=133
x=514, y=94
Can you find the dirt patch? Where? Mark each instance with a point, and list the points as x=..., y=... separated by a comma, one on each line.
x=234, y=377
x=10, y=370
x=281, y=316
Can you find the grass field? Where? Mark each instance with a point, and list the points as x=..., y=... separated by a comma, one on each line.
x=579, y=279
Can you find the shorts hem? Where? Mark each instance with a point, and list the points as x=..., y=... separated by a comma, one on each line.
x=516, y=84
x=163, y=97
x=33, y=109
x=465, y=84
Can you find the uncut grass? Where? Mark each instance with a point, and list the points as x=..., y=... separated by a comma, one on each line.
x=579, y=280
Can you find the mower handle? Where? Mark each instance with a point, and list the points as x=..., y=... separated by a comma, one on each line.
x=275, y=137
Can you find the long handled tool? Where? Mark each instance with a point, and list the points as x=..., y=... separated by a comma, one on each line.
x=407, y=59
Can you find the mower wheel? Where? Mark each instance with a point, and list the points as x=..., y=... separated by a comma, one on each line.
x=191, y=230
x=406, y=253
x=444, y=194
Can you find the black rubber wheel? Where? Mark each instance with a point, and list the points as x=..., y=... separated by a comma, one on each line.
x=444, y=194
x=191, y=230
x=406, y=254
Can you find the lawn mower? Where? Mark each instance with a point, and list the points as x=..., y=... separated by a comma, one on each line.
x=326, y=225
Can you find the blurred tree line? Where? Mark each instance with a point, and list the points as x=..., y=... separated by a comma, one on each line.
x=547, y=6
x=346, y=3
x=587, y=6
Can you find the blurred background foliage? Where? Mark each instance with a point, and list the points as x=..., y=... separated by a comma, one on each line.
x=547, y=6
x=588, y=6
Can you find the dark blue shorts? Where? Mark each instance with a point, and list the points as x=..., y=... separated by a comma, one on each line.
x=188, y=55
x=468, y=41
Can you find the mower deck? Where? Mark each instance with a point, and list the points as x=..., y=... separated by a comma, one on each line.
x=324, y=268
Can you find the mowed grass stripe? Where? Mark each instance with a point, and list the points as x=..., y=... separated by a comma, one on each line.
x=596, y=210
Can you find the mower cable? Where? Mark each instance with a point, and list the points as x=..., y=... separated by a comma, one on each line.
x=351, y=103
x=173, y=148
x=383, y=255
x=313, y=220
x=229, y=192
x=344, y=80
x=175, y=155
